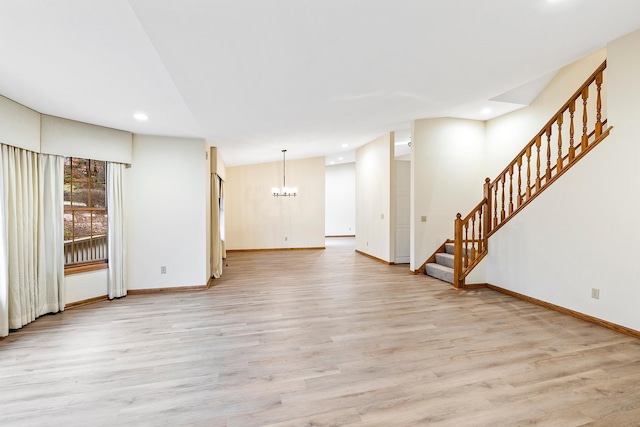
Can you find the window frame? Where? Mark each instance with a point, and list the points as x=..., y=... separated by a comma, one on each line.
x=94, y=264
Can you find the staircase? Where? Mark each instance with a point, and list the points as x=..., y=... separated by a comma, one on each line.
x=442, y=267
x=567, y=137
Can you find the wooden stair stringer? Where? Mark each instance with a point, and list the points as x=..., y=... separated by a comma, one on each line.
x=432, y=258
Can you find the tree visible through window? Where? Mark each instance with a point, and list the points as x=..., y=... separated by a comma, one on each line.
x=85, y=212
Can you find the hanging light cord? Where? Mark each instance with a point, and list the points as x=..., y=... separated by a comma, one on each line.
x=284, y=169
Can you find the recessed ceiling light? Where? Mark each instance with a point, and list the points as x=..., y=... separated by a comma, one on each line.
x=340, y=158
x=141, y=116
x=486, y=111
x=331, y=163
x=345, y=145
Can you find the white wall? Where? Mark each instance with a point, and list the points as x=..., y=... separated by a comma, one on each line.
x=375, y=177
x=257, y=220
x=166, y=213
x=580, y=233
x=84, y=286
x=340, y=200
x=19, y=125
x=447, y=167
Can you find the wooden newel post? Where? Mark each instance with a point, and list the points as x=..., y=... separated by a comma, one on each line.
x=488, y=195
x=458, y=282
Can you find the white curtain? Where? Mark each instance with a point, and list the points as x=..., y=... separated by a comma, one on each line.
x=222, y=222
x=51, y=234
x=216, y=245
x=4, y=251
x=31, y=253
x=116, y=232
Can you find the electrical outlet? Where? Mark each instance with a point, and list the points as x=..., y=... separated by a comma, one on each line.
x=381, y=216
x=163, y=269
x=423, y=218
x=286, y=239
x=595, y=293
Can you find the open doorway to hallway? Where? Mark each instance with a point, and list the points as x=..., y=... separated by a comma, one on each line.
x=340, y=200
x=340, y=242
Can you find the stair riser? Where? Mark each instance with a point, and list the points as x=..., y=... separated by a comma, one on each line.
x=444, y=259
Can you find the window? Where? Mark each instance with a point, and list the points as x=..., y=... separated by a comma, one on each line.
x=85, y=214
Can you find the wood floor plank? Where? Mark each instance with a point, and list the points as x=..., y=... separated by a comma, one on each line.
x=318, y=338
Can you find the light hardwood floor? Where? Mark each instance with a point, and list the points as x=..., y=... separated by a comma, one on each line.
x=318, y=338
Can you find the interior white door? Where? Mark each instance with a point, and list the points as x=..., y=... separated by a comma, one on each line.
x=403, y=212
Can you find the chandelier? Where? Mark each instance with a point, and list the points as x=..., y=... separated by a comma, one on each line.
x=284, y=191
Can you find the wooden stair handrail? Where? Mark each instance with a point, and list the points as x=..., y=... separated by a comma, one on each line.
x=475, y=209
x=553, y=119
x=499, y=204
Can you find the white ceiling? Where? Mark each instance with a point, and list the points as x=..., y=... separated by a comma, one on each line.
x=257, y=76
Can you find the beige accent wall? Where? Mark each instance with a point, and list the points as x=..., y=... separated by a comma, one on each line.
x=257, y=220
x=217, y=165
x=375, y=203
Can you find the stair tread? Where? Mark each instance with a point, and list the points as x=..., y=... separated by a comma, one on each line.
x=449, y=248
x=440, y=267
x=440, y=272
